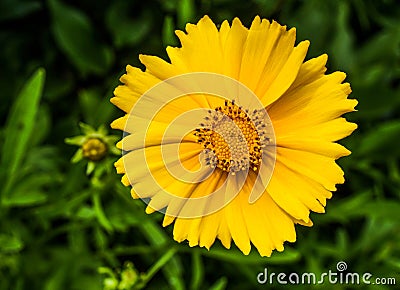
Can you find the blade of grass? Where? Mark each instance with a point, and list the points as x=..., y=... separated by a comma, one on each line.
x=220, y=284
x=185, y=12
x=173, y=270
x=197, y=271
x=168, y=34
x=157, y=266
x=19, y=127
x=101, y=217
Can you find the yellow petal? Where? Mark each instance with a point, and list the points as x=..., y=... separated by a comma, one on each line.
x=318, y=146
x=158, y=67
x=224, y=235
x=256, y=51
x=190, y=228
x=310, y=71
x=329, y=131
x=286, y=75
x=124, y=98
x=317, y=167
x=282, y=193
x=320, y=101
x=281, y=50
x=138, y=81
x=232, y=47
x=120, y=123
x=156, y=162
x=125, y=180
x=277, y=220
x=235, y=219
x=155, y=135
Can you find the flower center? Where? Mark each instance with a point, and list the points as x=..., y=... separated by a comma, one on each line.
x=233, y=138
x=94, y=149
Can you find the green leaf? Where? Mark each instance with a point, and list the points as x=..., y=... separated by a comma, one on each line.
x=10, y=9
x=145, y=278
x=173, y=270
x=85, y=212
x=25, y=198
x=42, y=125
x=87, y=129
x=63, y=207
x=220, y=284
x=395, y=263
x=91, y=166
x=76, y=140
x=168, y=5
x=75, y=36
x=95, y=108
x=342, y=38
x=125, y=29
x=78, y=156
x=98, y=209
x=20, y=125
x=185, y=11
x=385, y=209
x=9, y=243
x=346, y=208
x=381, y=142
x=168, y=33
x=121, y=217
x=197, y=271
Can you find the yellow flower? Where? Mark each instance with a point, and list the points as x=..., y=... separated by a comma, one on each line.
x=234, y=138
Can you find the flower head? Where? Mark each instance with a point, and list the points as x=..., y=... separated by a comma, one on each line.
x=234, y=138
x=94, y=145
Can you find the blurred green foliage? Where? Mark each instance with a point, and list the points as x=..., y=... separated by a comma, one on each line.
x=62, y=229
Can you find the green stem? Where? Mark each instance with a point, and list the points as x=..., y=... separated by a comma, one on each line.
x=157, y=266
x=101, y=217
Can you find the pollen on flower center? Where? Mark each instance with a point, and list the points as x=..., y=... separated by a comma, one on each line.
x=233, y=138
x=94, y=149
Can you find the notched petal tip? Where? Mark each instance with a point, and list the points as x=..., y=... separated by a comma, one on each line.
x=355, y=102
x=306, y=224
x=193, y=243
x=143, y=57
x=119, y=166
x=291, y=30
x=131, y=69
x=305, y=44
x=125, y=180
x=180, y=34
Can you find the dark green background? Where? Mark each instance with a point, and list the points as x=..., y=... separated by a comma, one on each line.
x=58, y=226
